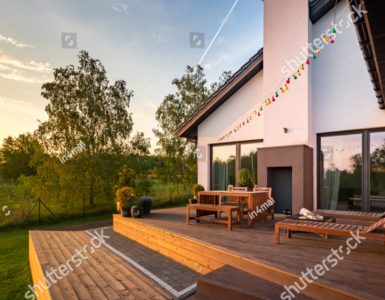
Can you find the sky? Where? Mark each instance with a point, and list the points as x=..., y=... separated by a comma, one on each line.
x=144, y=42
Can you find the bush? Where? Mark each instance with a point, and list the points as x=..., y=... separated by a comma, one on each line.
x=196, y=189
x=126, y=197
x=245, y=178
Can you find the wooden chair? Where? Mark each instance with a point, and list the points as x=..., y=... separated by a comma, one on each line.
x=329, y=229
x=351, y=215
x=268, y=190
x=235, y=200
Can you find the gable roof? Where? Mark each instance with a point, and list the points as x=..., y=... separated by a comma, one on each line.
x=189, y=127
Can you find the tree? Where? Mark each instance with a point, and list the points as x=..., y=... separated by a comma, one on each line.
x=140, y=145
x=84, y=107
x=15, y=156
x=192, y=92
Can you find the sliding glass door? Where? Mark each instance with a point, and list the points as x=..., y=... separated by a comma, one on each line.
x=341, y=172
x=352, y=170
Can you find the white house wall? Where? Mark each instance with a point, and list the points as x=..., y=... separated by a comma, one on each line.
x=239, y=106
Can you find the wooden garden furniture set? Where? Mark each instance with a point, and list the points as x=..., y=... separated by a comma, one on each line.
x=240, y=201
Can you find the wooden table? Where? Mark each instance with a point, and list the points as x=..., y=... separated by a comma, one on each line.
x=250, y=200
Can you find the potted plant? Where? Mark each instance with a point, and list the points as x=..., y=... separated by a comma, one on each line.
x=244, y=177
x=126, y=197
x=137, y=209
x=143, y=189
x=196, y=189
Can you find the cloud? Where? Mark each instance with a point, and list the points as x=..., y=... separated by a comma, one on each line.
x=222, y=58
x=28, y=72
x=120, y=7
x=31, y=66
x=14, y=42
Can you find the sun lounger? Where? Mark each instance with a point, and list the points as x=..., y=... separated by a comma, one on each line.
x=352, y=215
x=329, y=228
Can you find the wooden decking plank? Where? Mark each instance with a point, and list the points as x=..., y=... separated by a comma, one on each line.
x=54, y=291
x=110, y=269
x=64, y=285
x=75, y=277
x=130, y=279
x=91, y=282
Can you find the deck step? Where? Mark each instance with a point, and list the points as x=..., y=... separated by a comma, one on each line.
x=228, y=283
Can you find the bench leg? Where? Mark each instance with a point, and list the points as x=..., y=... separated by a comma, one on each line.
x=230, y=221
x=288, y=234
x=277, y=235
x=187, y=215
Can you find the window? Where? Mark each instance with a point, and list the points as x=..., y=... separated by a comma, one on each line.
x=351, y=170
x=249, y=159
x=228, y=159
x=223, y=166
x=341, y=169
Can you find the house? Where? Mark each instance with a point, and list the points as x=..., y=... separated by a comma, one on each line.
x=314, y=132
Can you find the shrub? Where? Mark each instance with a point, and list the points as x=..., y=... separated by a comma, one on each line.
x=196, y=189
x=245, y=177
x=126, y=197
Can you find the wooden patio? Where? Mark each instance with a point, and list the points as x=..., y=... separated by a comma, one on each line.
x=206, y=247
x=190, y=251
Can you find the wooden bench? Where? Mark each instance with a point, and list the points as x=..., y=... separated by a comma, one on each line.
x=228, y=209
x=228, y=283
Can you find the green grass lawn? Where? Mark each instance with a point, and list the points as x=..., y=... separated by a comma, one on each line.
x=15, y=274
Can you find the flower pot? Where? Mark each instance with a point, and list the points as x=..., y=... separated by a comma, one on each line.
x=118, y=207
x=136, y=212
x=125, y=211
x=146, y=204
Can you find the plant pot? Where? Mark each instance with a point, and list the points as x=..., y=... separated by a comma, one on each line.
x=125, y=211
x=136, y=212
x=146, y=204
x=192, y=201
x=118, y=207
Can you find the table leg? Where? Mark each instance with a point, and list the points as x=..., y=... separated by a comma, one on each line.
x=230, y=220
x=239, y=218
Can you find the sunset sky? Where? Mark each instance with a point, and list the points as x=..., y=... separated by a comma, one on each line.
x=145, y=42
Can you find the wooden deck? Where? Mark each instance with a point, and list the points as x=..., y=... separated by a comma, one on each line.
x=102, y=275
x=207, y=246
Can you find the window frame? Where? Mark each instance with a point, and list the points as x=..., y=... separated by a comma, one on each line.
x=365, y=146
x=237, y=156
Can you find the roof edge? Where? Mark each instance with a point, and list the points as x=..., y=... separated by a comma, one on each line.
x=224, y=92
